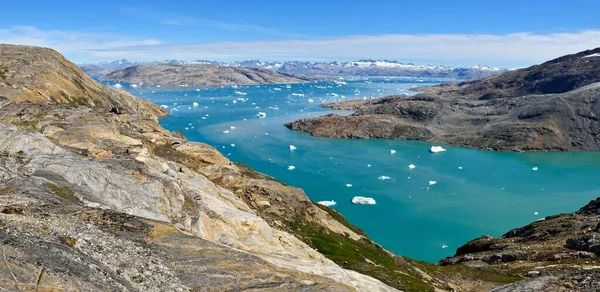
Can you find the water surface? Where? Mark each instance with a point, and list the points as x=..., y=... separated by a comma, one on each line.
x=492, y=193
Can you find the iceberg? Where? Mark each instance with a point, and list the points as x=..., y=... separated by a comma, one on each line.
x=535, y=168
x=437, y=149
x=432, y=182
x=384, y=177
x=292, y=148
x=393, y=151
x=291, y=167
x=261, y=115
x=226, y=132
x=348, y=185
x=444, y=246
x=411, y=166
x=327, y=203
x=195, y=104
x=363, y=200
x=310, y=100
x=118, y=85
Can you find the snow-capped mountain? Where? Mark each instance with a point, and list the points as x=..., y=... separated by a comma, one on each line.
x=354, y=68
x=387, y=68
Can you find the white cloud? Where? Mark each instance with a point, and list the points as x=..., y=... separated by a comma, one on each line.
x=458, y=49
x=70, y=42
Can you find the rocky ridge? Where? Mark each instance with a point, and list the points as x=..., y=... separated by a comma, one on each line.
x=551, y=106
x=202, y=75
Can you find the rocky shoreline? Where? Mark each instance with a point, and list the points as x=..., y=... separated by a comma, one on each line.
x=96, y=195
x=552, y=106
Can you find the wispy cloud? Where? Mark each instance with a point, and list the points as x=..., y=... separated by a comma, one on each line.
x=458, y=49
x=69, y=42
x=173, y=19
x=182, y=21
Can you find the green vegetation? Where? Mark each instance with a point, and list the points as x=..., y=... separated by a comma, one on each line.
x=64, y=192
x=362, y=256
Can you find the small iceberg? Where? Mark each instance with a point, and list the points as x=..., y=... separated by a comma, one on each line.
x=327, y=203
x=432, y=182
x=363, y=200
x=348, y=185
x=133, y=85
x=384, y=177
x=232, y=127
x=232, y=145
x=291, y=167
x=535, y=168
x=444, y=246
x=437, y=149
x=392, y=151
x=411, y=166
x=261, y=115
x=460, y=167
x=164, y=106
x=292, y=148
x=118, y=85
x=310, y=100
x=536, y=213
x=226, y=132
x=195, y=104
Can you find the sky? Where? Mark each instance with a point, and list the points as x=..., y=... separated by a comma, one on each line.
x=505, y=33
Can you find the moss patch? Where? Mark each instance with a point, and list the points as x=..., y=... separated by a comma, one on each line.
x=362, y=256
x=64, y=192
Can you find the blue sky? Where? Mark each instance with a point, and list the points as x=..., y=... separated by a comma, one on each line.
x=502, y=33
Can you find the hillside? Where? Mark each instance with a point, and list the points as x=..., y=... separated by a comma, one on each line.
x=551, y=106
x=202, y=75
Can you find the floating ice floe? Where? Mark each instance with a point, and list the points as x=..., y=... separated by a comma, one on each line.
x=232, y=127
x=232, y=145
x=240, y=93
x=164, y=106
x=291, y=167
x=368, y=165
x=432, y=182
x=118, y=85
x=348, y=185
x=195, y=104
x=310, y=100
x=535, y=213
x=363, y=200
x=535, y=168
x=384, y=177
x=261, y=115
x=460, y=167
x=411, y=166
x=226, y=132
x=444, y=246
x=292, y=148
x=393, y=151
x=133, y=85
x=327, y=203
x=298, y=94
x=437, y=149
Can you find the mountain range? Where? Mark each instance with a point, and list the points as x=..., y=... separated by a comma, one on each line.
x=355, y=68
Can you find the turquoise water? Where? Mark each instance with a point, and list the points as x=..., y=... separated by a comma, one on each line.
x=492, y=193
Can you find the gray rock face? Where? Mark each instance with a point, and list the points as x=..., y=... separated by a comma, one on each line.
x=202, y=75
x=552, y=106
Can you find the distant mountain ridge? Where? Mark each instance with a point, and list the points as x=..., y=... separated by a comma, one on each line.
x=355, y=68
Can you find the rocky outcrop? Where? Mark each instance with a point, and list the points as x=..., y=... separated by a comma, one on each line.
x=552, y=106
x=202, y=75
